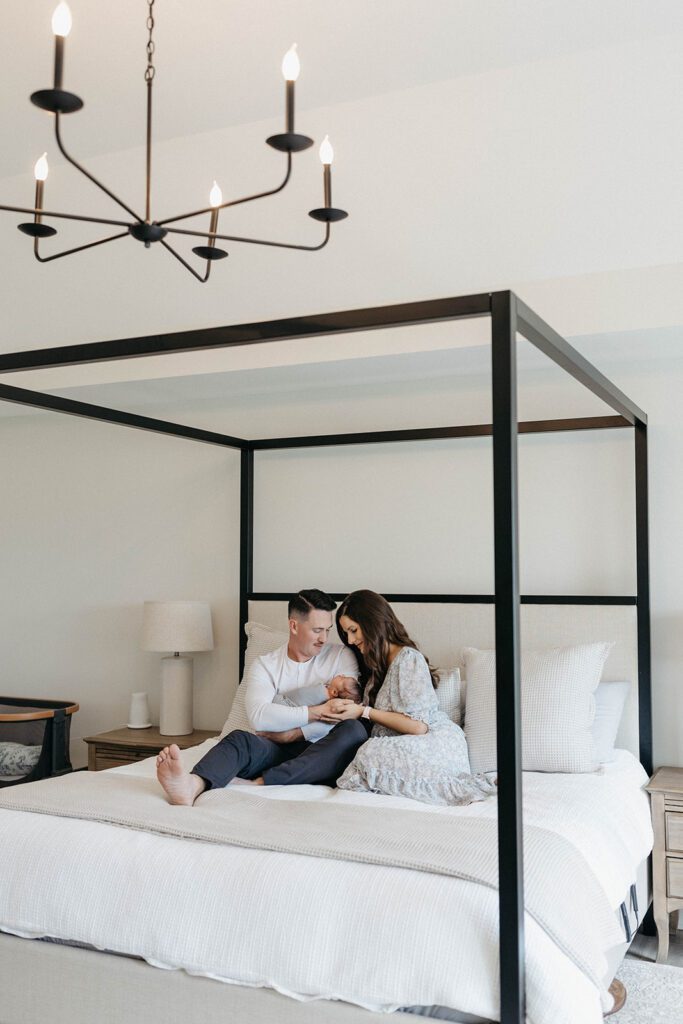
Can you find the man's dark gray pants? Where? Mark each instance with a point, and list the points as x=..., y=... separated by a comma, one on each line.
x=245, y=756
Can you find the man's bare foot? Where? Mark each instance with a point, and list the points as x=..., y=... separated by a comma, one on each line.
x=180, y=786
x=248, y=782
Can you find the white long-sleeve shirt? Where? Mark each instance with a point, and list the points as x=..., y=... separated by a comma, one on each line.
x=276, y=673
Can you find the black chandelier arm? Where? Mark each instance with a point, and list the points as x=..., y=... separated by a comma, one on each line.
x=254, y=241
x=202, y=280
x=235, y=202
x=35, y=211
x=87, y=174
x=78, y=248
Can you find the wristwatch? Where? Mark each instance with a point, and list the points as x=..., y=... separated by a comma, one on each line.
x=366, y=712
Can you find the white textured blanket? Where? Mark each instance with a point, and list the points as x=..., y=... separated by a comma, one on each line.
x=576, y=913
x=316, y=928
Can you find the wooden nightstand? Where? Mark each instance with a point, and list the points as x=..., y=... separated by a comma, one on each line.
x=666, y=789
x=123, y=746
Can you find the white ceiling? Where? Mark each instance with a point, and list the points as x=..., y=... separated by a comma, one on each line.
x=483, y=144
x=218, y=61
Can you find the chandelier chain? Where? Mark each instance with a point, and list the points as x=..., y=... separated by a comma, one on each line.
x=150, y=70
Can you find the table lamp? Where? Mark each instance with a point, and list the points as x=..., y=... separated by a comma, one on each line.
x=176, y=626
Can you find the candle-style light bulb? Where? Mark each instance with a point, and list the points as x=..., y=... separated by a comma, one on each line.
x=61, y=26
x=326, y=151
x=41, y=168
x=40, y=173
x=215, y=195
x=215, y=199
x=326, y=157
x=291, y=65
x=61, y=20
x=290, y=69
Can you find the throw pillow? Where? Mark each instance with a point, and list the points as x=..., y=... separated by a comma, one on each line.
x=557, y=709
x=260, y=640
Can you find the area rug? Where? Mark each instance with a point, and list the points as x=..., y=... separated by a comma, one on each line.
x=654, y=994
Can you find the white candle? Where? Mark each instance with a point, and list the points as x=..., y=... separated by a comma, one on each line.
x=290, y=69
x=215, y=200
x=61, y=26
x=326, y=158
x=40, y=172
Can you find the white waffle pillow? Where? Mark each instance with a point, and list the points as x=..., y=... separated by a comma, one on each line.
x=260, y=640
x=558, y=707
x=449, y=695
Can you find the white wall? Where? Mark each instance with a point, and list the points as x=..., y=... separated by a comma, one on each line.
x=95, y=520
x=418, y=517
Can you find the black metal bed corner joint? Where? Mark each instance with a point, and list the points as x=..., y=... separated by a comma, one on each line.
x=510, y=317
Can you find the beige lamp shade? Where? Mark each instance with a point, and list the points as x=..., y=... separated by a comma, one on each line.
x=177, y=626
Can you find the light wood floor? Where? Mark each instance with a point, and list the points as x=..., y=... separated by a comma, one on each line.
x=644, y=947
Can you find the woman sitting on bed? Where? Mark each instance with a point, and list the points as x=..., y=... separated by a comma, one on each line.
x=415, y=750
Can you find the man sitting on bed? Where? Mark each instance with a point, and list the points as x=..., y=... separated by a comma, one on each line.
x=287, y=694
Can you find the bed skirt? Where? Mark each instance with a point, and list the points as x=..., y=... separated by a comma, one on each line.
x=42, y=981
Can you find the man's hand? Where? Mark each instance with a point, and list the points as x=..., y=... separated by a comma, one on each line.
x=345, y=687
x=288, y=736
x=322, y=712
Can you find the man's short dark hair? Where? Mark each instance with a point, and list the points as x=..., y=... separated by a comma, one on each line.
x=306, y=600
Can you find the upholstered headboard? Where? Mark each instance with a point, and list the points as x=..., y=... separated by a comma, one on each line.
x=442, y=630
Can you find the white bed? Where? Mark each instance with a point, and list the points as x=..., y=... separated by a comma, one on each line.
x=377, y=938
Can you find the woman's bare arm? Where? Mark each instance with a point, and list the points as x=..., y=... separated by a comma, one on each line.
x=340, y=710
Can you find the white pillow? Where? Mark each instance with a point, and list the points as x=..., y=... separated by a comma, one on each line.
x=558, y=707
x=448, y=694
x=610, y=699
x=17, y=759
x=260, y=640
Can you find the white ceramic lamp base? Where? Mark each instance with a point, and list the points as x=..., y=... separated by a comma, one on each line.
x=175, y=713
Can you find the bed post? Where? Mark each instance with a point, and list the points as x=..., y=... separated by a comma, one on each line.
x=643, y=595
x=508, y=726
x=246, y=545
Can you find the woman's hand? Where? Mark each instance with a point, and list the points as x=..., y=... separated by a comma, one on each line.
x=340, y=710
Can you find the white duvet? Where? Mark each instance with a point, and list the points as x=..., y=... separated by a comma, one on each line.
x=379, y=937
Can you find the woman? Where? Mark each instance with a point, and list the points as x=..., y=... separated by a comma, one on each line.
x=415, y=750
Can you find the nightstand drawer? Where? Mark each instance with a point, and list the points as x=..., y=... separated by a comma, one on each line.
x=123, y=755
x=674, y=871
x=674, y=832
x=126, y=746
x=101, y=764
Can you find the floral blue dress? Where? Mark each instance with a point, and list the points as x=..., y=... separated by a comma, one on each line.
x=433, y=767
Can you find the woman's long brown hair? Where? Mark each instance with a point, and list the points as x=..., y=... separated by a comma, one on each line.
x=380, y=628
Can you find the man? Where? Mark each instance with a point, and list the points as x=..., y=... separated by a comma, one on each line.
x=287, y=696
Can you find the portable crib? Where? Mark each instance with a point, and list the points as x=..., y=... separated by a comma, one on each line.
x=34, y=739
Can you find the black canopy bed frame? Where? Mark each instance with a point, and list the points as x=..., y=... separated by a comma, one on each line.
x=509, y=317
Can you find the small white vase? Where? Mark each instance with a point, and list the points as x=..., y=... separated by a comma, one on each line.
x=138, y=715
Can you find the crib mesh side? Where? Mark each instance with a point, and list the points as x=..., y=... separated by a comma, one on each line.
x=30, y=733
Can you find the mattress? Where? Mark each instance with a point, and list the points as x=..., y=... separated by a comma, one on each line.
x=379, y=937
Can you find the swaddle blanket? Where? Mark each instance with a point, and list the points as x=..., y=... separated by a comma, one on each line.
x=561, y=892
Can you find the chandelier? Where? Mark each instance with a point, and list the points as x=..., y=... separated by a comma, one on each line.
x=146, y=229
